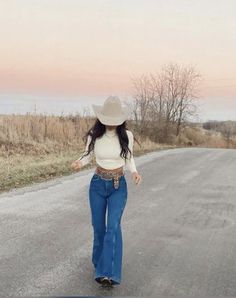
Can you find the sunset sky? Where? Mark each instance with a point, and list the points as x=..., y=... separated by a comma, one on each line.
x=68, y=53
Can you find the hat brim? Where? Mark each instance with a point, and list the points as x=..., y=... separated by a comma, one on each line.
x=108, y=120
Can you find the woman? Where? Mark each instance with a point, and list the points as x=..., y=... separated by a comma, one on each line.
x=112, y=144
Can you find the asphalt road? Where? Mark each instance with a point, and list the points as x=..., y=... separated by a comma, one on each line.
x=179, y=232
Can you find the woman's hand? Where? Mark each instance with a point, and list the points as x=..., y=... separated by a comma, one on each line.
x=76, y=165
x=136, y=178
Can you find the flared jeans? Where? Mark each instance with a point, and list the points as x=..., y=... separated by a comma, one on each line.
x=107, y=205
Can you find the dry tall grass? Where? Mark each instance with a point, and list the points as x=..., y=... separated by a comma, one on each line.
x=40, y=134
x=38, y=147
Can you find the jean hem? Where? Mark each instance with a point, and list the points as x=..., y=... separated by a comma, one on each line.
x=114, y=279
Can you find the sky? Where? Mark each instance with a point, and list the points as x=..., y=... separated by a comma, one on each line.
x=60, y=55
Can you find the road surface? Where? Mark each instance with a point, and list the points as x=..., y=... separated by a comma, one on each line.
x=179, y=232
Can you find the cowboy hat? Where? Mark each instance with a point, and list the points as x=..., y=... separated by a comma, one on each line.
x=111, y=112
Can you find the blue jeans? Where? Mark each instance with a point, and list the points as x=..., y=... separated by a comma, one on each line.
x=107, y=242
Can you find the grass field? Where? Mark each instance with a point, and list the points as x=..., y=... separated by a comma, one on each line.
x=35, y=148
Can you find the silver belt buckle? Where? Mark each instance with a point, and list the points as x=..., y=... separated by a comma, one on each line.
x=116, y=181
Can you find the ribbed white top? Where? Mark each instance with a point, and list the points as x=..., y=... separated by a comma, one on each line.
x=107, y=151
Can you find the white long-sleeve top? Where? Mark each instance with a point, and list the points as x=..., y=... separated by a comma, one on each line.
x=107, y=151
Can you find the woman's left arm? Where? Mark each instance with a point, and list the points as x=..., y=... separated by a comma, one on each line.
x=130, y=161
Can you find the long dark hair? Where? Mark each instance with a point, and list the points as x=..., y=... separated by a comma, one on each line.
x=98, y=129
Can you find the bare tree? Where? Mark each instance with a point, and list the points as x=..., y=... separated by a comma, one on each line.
x=228, y=130
x=165, y=100
x=141, y=101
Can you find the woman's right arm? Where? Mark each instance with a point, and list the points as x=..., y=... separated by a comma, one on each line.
x=87, y=158
x=83, y=159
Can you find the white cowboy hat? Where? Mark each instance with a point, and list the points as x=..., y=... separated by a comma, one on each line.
x=111, y=112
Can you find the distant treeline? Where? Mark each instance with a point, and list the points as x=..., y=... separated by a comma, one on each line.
x=226, y=128
x=217, y=125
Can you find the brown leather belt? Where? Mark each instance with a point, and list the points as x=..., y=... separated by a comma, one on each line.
x=110, y=174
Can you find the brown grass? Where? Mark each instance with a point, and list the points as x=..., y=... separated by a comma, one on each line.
x=34, y=148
